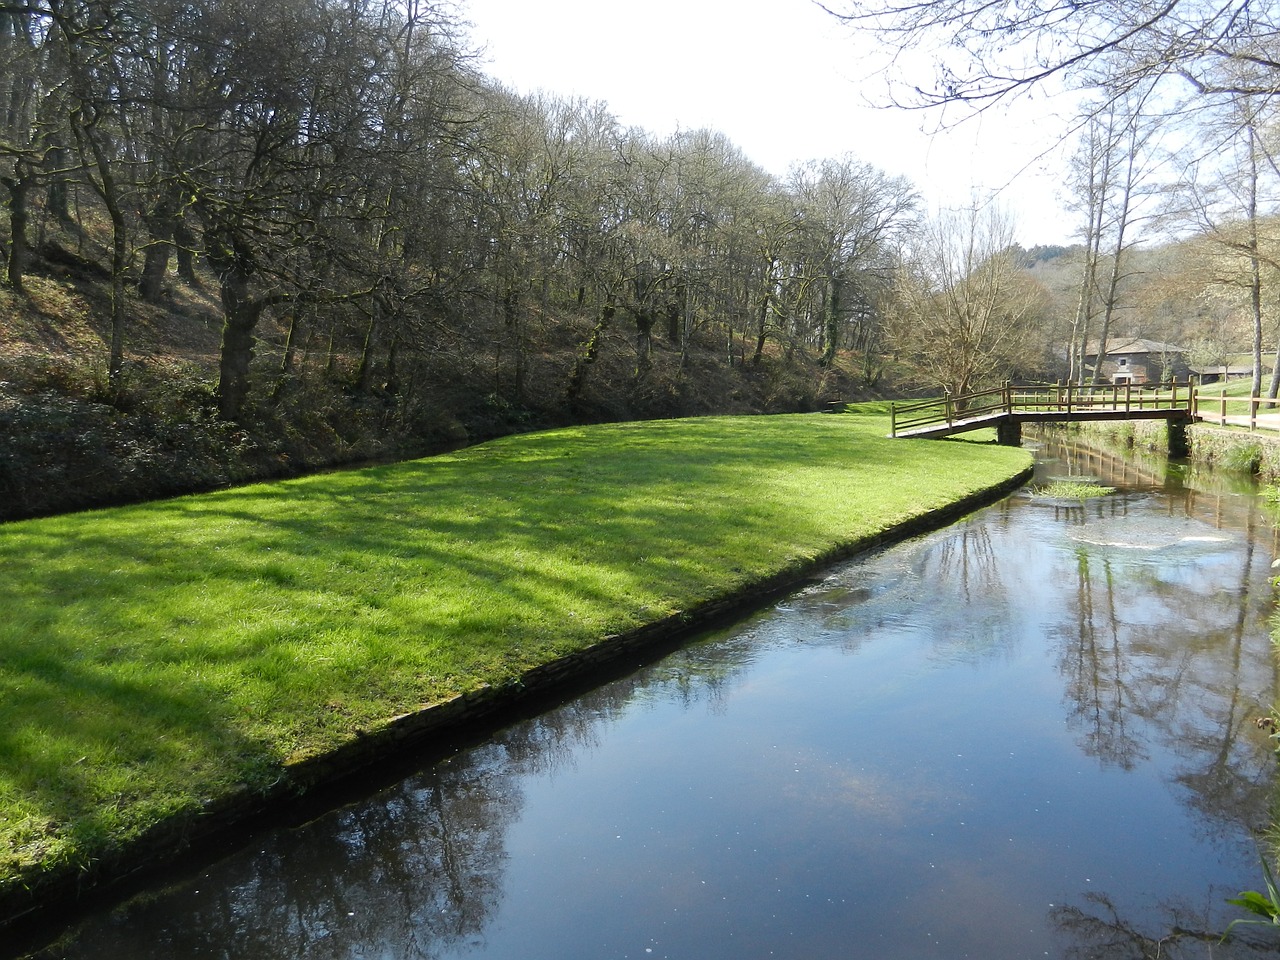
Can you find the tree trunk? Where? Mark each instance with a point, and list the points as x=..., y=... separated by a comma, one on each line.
x=233, y=366
x=393, y=371
x=762, y=320
x=290, y=344
x=511, y=318
x=1255, y=265
x=119, y=263
x=154, y=267
x=578, y=377
x=686, y=327
x=1255, y=301
x=1097, y=187
x=1105, y=330
x=109, y=190
x=364, y=377
x=1084, y=311
x=675, y=314
x=831, y=324
x=16, y=265
x=1113, y=282
x=160, y=224
x=240, y=316
x=58, y=196
x=331, y=359
x=184, y=242
x=644, y=341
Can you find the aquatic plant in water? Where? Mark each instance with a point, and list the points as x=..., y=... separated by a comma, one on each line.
x=1073, y=489
x=1266, y=906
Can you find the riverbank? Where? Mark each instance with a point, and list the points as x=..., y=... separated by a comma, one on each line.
x=1254, y=452
x=171, y=668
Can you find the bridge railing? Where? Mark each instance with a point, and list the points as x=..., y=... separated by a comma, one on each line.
x=1255, y=413
x=1070, y=398
x=948, y=409
x=1049, y=398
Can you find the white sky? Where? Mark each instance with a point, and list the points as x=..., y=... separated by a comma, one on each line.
x=782, y=79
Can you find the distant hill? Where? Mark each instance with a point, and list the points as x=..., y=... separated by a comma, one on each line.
x=1043, y=253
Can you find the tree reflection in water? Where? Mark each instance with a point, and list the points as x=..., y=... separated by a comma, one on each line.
x=1186, y=693
x=407, y=876
x=410, y=874
x=1167, y=651
x=1098, y=932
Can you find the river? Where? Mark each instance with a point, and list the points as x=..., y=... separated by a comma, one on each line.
x=1031, y=734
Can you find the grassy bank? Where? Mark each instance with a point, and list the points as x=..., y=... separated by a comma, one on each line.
x=156, y=658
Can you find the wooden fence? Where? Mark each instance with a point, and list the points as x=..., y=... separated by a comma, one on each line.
x=1253, y=413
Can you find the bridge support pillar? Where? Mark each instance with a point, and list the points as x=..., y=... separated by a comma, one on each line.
x=1009, y=433
x=1178, y=445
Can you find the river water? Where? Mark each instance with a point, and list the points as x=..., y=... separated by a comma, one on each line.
x=1031, y=734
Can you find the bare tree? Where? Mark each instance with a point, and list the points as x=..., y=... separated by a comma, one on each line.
x=1092, y=175
x=29, y=101
x=292, y=162
x=1231, y=206
x=983, y=52
x=852, y=216
x=1120, y=152
x=964, y=314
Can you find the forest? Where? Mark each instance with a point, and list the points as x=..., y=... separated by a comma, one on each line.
x=245, y=242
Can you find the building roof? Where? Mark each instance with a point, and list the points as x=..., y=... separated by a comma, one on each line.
x=1133, y=345
x=1227, y=371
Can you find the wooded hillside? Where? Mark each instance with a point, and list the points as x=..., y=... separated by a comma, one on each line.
x=245, y=240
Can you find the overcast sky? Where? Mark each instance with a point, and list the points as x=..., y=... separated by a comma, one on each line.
x=783, y=80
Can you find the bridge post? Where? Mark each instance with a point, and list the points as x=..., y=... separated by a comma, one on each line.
x=1009, y=433
x=1178, y=445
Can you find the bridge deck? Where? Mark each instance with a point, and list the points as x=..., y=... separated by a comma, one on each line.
x=1057, y=403
x=1039, y=416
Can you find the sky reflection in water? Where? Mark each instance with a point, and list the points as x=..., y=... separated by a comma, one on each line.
x=1031, y=734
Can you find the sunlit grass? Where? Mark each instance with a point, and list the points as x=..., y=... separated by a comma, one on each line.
x=1237, y=393
x=156, y=657
x=1237, y=387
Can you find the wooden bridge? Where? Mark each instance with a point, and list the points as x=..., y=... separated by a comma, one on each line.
x=1008, y=407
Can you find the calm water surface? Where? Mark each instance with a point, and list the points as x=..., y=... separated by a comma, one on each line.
x=1029, y=735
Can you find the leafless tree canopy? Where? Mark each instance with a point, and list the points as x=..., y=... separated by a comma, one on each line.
x=986, y=51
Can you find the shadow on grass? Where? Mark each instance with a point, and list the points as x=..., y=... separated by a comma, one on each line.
x=157, y=654
x=75, y=741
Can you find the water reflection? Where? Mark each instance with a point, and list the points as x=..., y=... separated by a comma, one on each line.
x=1098, y=931
x=1030, y=734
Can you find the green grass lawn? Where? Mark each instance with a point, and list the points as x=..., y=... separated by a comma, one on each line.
x=154, y=658
x=1237, y=392
x=1237, y=387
